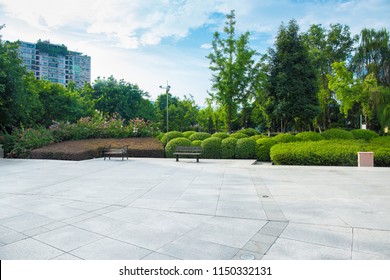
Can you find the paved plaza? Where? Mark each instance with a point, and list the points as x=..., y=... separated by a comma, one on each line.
x=216, y=209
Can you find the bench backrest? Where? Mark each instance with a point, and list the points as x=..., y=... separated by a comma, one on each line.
x=191, y=149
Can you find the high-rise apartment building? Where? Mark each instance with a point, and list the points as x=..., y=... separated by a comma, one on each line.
x=56, y=63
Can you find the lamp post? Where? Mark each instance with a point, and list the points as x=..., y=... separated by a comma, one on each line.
x=167, y=88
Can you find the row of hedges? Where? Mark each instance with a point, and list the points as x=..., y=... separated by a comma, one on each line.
x=331, y=152
x=336, y=147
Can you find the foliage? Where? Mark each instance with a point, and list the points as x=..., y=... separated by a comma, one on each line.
x=228, y=147
x=196, y=143
x=171, y=135
x=256, y=137
x=309, y=136
x=187, y=134
x=171, y=146
x=292, y=82
x=211, y=148
x=284, y=138
x=248, y=131
x=22, y=141
x=364, y=134
x=238, y=135
x=263, y=147
x=234, y=70
x=337, y=133
x=246, y=148
x=221, y=135
x=335, y=152
x=199, y=136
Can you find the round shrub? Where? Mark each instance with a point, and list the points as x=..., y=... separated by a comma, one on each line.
x=334, y=153
x=160, y=135
x=211, y=147
x=228, y=147
x=256, y=137
x=336, y=133
x=170, y=135
x=238, y=135
x=364, y=134
x=187, y=134
x=199, y=136
x=309, y=136
x=221, y=135
x=248, y=131
x=171, y=146
x=263, y=147
x=284, y=138
x=196, y=143
x=246, y=148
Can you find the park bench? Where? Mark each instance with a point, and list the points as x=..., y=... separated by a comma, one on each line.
x=188, y=151
x=109, y=152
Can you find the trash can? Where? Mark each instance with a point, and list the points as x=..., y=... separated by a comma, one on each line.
x=366, y=159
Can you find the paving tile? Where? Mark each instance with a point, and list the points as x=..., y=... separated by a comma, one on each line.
x=28, y=249
x=145, y=237
x=110, y=249
x=247, y=255
x=102, y=225
x=158, y=256
x=285, y=249
x=68, y=238
x=364, y=256
x=132, y=215
x=376, y=242
x=26, y=222
x=8, y=236
x=66, y=257
x=193, y=249
x=274, y=228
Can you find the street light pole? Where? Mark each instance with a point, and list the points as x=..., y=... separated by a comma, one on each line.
x=167, y=88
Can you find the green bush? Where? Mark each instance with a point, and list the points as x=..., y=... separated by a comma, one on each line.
x=284, y=138
x=171, y=146
x=228, y=147
x=256, y=137
x=199, y=136
x=196, y=143
x=335, y=152
x=337, y=133
x=246, y=148
x=263, y=147
x=187, y=134
x=211, y=147
x=170, y=136
x=160, y=135
x=364, y=134
x=381, y=156
x=248, y=131
x=309, y=136
x=221, y=135
x=238, y=135
x=383, y=141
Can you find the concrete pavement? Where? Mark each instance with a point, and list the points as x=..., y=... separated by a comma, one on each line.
x=215, y=209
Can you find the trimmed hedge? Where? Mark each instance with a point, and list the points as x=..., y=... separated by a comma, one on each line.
x=171, y=146
x=238, y=135
x=337, y=133
x=170, y=135
x=364, y=134
x=336, y=152
x=309, y=136
x=228, y=147
x=196, y=143
x=199, y=136
x=211, y=148
x=263, y=147
x=221, y=135
x=284, y=138
x=256, y=137
x=246, y=148
x=248, y=131
x=187, y=134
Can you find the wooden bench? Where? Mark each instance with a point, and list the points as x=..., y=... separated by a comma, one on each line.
x=109, y=151
x=188, y=151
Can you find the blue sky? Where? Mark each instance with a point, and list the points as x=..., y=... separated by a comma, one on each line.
x=150, y=42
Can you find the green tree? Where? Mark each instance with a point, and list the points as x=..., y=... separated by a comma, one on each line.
x=292, y=87
x=234, y=70
x=373, y=55
x=327, y=46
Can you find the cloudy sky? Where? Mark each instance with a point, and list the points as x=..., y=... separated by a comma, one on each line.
x=150, y=42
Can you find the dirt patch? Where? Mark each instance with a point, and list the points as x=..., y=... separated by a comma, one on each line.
x=92, y=148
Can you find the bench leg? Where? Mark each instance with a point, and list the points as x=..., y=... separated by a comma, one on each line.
x=177, y=158
x=197, y=158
